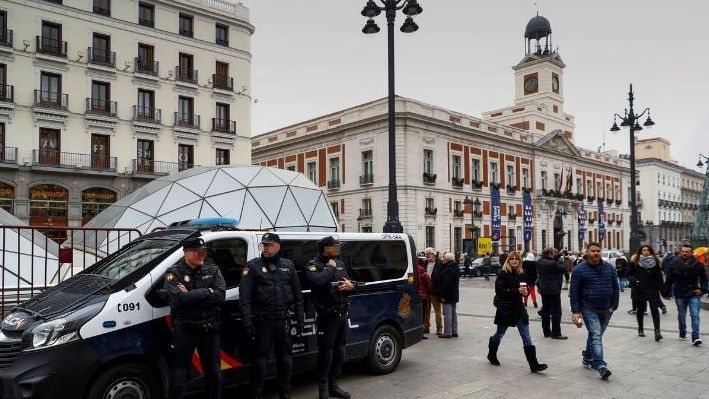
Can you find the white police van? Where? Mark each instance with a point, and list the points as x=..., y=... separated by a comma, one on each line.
x=105, y=332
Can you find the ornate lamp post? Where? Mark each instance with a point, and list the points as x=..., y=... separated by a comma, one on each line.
x=700, y=232
x=630, y=120
x=475, y=210
x=409, y=8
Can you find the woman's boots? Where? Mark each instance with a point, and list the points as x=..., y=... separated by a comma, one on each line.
x=531, y=353
x=492, y=352
x=658, y=335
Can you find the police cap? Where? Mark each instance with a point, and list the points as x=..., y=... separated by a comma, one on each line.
x=270, y=238
x=193, y=243
x=327, y=242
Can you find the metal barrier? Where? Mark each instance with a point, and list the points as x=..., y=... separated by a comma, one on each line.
x=31, y=262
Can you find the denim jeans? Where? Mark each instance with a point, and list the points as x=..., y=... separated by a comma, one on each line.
x=694, y=303
x=523, y=332
x=596, y=323
x=450, y=319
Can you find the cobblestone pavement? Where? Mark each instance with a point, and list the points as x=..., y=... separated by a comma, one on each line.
x=457, y=368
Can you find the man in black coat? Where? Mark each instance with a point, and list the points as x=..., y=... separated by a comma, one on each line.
x=447, y=287
x=550, y=270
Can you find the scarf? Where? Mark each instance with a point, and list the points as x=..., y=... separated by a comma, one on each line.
x=647, y=262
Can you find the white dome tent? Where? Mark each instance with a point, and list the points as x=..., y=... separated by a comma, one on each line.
x=259, y=197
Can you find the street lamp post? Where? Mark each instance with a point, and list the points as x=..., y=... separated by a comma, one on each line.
x=410, y=8
x=700, y=230
x=474, y=210
x=630, y=119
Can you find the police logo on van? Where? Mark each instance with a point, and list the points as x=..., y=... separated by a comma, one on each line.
x=245, y=272
x=169, y=277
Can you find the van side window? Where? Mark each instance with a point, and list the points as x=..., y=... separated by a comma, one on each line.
x=368, y=261
x=300, y=252
x=230, y=256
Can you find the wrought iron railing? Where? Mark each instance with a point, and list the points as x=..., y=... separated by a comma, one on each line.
x=72, y=160
x=51, y=46
x=99, y=106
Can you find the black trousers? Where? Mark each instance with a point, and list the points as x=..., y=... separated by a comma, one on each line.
x=551, y=315
x=641, y=304
x=276, y=334
x=184, y=342
x=332, y=331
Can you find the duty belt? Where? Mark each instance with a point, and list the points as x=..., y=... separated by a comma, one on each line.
x=334, y=310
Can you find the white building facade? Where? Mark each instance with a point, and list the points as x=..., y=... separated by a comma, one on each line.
x=100, y=96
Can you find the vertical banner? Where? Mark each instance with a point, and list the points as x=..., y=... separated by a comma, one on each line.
x=582, y=224
x=496, y=215
x=601, y=222
x=527, y=205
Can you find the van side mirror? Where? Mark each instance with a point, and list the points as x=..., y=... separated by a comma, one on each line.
x=158, y=298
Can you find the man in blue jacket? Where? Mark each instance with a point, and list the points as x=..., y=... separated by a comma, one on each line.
x=594, y=297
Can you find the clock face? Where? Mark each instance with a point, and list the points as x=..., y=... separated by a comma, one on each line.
x=555, y=83
x=530, y=84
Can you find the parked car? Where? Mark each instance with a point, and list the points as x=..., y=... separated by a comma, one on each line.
x=478, y=266
x=611, y=256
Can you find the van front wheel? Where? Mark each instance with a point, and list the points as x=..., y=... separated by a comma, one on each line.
x=384, y=350
x=126, y=382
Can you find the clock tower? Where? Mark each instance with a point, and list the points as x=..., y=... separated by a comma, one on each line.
x=539, y=87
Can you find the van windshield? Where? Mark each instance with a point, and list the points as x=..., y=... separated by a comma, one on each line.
x=131, y=259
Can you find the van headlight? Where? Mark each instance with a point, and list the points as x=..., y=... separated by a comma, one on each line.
x=63, y=330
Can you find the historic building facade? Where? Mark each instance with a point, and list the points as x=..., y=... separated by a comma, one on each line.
x=97, y=97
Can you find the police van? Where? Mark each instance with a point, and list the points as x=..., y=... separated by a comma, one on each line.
x=105, y=332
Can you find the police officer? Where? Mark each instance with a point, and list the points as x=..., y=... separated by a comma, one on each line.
x=330, y=286
x=269, y=290
x=195, y=290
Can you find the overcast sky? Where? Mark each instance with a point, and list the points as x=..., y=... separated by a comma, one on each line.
x=310, y=58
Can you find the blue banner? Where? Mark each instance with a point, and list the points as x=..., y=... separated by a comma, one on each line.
x=528, y=217
x=582, y=223
x=496, y=214
x=601, y=222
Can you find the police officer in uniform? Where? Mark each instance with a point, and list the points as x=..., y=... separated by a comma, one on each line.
x=269, y=290
x=330, y=286
x=195, y=290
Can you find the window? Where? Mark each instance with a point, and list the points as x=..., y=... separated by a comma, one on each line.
x=430, y=236
x=428, y=161
x=511, y=210
x=102, y=7
x=589, y=188
x=544, y=180
x=95, y=200
x=511, y=175
x=100, y=97
x=222, y=34
x=476, y=170
x=146, y=14
x=599, y=189
x=185, y=156
x=578, y=185
x=100, y=53
x=525, y=178
x=185, y=70
x=544, y=239
x=221, y=78
x=291, y=168
x=367, y=204
x=231, y=257
x=335, y=209
x=49, y=146
x=368, y=165
x=456, y=166
x=335, y=169
x=457, y=240
x=222, y=157
x=312, y=170
x=145, y=109
x=457, y=208
x=222, y=122
x=494, y=178
x=429, y=204
x=557, y=182
x=511, y=240
x=608, y=191
x=185, y=111
x=51, y=42
x=144, y=154
x=50, y=89
x=186, y=25
x=366, y=229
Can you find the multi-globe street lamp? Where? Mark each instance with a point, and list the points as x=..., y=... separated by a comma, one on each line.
x=410, y=8
x=474, y=211
x=630, y=120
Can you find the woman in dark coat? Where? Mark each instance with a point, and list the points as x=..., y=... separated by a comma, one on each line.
x=511, y=312
x=646, y=273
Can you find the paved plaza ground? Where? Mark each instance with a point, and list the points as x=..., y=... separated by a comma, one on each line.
x=457, y=368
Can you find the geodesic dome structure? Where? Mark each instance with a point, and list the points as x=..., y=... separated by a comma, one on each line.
x=259, y=197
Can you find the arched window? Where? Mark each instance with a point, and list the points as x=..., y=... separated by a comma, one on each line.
x=7, y=197
x=95, y=200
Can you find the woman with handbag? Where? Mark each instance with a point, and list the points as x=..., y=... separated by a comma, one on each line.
x=510, y=287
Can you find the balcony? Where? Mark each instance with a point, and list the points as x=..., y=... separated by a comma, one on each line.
x=50, y=46
x=185, y=120
x=75, y=161
x=102, y=57
x=366, y=180
x=7, y=94
x=186, y=75
x=431, y=211
x=512, y=216
x=511, y=190
x=495, y=185
x=6, y=38
x=458, y=213
x=51, y=100
x=365, y=213
x=476, y=185
x=146, y=114
x=222, y=42
x=457, y=182
x=222, y=82
x=146, y=67
x=223, y=126
x=601, y=199
x=591, y=221
x=590, y=198
x=478, y=214
x=429, y=178
x=618, y=202
x=8, y=155
x=101, y=107
x=609, y=201
x=333, y=184
x=149, y=22
x=150, y=167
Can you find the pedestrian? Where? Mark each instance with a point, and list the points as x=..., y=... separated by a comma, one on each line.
x=487, y=265
x=690, y=282
x=196, y=290
x=503, y=258
x=645, y=269
x=449, y=293
x=530, y=271
x=551, y=269
x=510, y=288
x=434, y=264
x=594, y=297
x=568, y=266
x=330, y=285
x=269, y=290
x=467, y=266
x=424, y=289
x=621, y=269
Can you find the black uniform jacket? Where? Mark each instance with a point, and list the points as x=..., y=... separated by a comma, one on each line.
x=269, y=289
x=326, y=297
x=198, y=304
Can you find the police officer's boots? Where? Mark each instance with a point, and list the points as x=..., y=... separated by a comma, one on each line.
x=323, y=390
x=337, y=392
